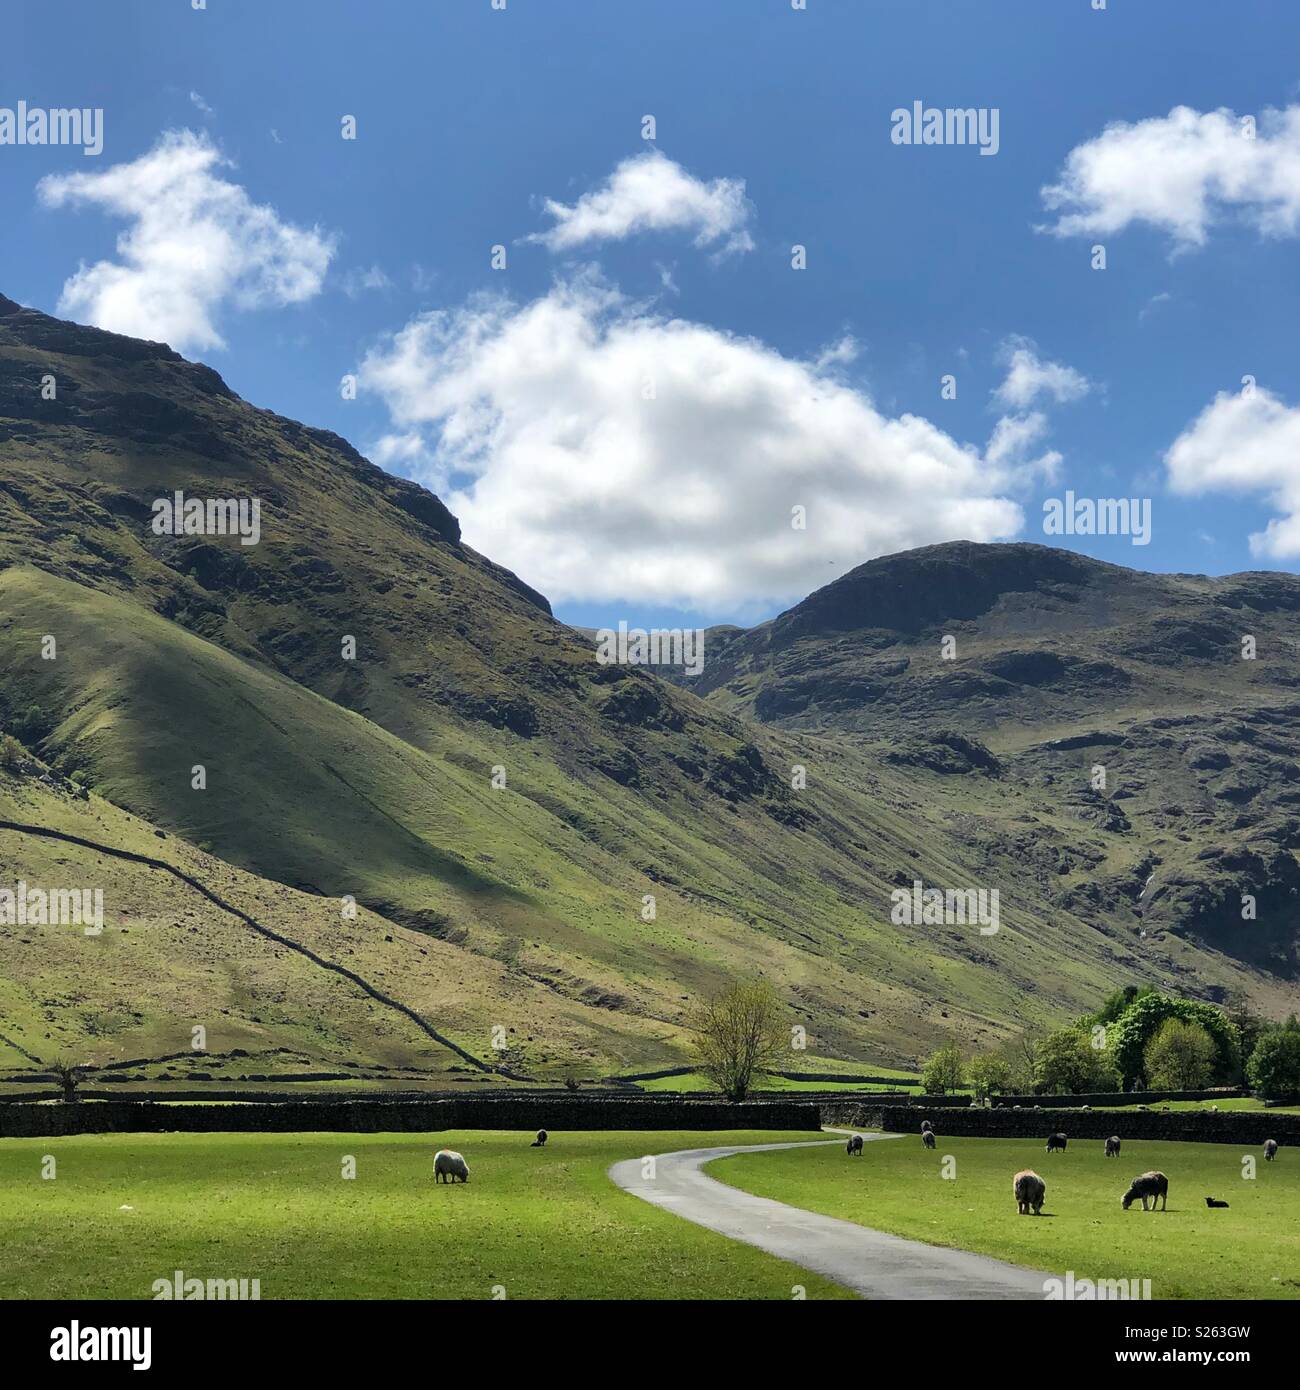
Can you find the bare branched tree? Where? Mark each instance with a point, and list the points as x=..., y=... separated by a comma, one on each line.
x=737, y=1036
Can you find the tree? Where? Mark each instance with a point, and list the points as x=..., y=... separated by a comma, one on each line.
x=69, y=1077
x=11, y=753
x=737, y=1036
x=943, y=1071
x=1069, y=1064
x=1180, y=1057
x=1128, y=1036
x=1250, y=1026
x=988, y=1075
x=1021, y=1056
x=1274, y=1066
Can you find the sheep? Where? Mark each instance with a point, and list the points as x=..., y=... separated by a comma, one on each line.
x=855, y=1146
x=1154, y=1185
x=448, y=1165
x=1112, y=1146
x=925, y=1124
x=1056, y=1141
x=1270, y=1150
x=1029, y=1190
x=927, y=1138
x=1214, y=1202
x=540, y=1141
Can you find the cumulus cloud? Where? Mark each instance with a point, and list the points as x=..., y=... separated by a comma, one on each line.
x=1245, y=443
x=605, y=452
x=1029, y=377
x=651, y=192
x=1181, y=173
x=194, y=243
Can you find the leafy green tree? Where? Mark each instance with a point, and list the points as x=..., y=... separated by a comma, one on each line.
x=738, y=1036
x=11, y=753
x=1274, y=1067
x=1128, y=1036
x=988, y=1075
x=943, y=1071
x=1180, y=1057
x=1069, y=1064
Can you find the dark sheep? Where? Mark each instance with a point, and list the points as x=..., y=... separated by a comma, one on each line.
x=1153, y=1185
x=1214, y=1202
x=1112, y=1146
x=1029, y=1190
x=540, y=1141
x=928, y=1138
x=855, y=1146
x=1270, y=1150
x=1056, y=1141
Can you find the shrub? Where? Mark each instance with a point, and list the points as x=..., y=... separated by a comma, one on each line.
x=11, y=753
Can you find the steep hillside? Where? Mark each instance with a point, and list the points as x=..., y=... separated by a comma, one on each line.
x=1123, y=700
x=479, y=784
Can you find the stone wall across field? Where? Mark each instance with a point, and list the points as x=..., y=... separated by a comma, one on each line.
x=1245, y=1127
x=24, y=1120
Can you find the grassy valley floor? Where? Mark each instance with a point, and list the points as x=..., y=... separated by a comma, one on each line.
x=126, y=1210
x=1252, y=1250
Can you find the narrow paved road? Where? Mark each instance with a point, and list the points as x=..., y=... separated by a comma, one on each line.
x=870, y=1263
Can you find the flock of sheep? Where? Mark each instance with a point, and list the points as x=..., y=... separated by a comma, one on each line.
x=1030, y=1190
x=450, y=1166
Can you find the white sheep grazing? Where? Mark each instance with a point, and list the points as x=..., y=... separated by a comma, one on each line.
x=1270, y=1149
x=448, y=1165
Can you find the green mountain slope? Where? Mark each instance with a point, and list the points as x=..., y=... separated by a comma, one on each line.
x=476, y=780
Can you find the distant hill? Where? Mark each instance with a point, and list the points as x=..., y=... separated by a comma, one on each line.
x=373, y=777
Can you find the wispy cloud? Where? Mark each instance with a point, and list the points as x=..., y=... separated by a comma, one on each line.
x=651, y=192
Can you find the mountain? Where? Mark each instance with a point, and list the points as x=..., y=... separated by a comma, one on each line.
x=382, y=715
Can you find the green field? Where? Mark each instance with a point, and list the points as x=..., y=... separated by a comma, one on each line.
x=542, y=1223
x=1252, y=1250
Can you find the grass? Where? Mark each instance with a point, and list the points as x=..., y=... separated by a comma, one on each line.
x=1252, y=1250
x=542, y=1223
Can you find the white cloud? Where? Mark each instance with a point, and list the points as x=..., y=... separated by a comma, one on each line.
x=1029, y=377
x=1013, y=441
x=565, y=471
x=650, y=192
x=194, y=243
x=201, y=105
x=1245, y=444
x=365, y=279
x=1181, y=173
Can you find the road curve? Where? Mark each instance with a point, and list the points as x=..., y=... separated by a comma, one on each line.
x=871, y=1263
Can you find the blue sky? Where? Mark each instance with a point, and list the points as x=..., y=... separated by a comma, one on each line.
x=773, y=387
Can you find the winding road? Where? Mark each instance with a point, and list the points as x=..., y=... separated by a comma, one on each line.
x=871, y=1263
